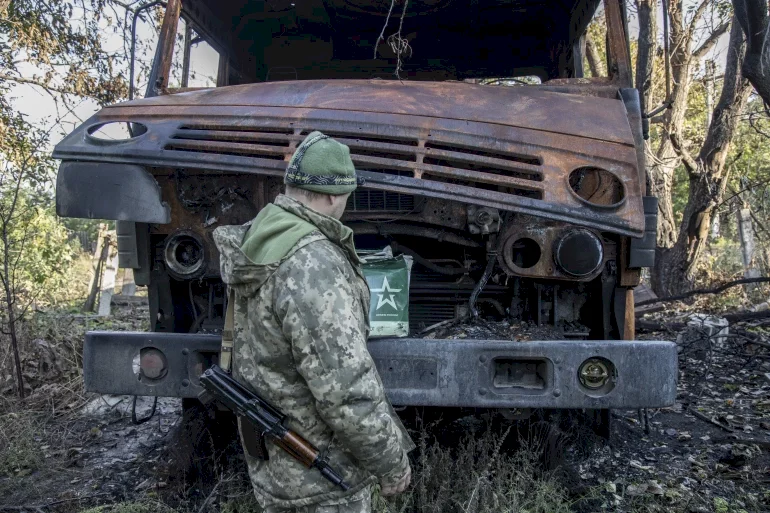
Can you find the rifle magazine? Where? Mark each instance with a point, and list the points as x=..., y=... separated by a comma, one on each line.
x=252, y=439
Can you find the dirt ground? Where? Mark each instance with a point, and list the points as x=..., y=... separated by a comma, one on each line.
x=709, y=452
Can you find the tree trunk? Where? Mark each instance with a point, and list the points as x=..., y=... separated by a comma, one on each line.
x=748, y=247
x=595, y=62
x=661, y=174
x=753, y=18
x=707, y=179
x=10, y=307
x=668, y=157
x=645, y=57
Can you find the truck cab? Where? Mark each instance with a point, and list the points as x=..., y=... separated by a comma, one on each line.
x=515, y=183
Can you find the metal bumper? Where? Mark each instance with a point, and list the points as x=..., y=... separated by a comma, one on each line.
x=421, y=372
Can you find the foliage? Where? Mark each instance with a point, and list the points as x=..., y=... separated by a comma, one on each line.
x=44, y=255
x=33, y=243
x=145, y=506
x=484, y=479
x=64, y=47
x=20, y=453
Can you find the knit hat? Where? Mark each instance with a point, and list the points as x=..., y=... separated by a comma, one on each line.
x=323, y=165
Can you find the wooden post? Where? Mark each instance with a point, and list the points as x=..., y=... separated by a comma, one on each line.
x=107, y=286
x=747, y=246
x=629, y=324
x=98, y=259
x=129, y=285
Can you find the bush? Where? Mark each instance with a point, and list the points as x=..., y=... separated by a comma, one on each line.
x=143, y=506
x=19, y=450
x=477, y=477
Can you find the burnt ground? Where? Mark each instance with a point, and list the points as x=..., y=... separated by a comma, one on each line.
x=709, y=452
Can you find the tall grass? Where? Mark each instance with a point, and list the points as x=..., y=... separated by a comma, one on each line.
x=479, y=476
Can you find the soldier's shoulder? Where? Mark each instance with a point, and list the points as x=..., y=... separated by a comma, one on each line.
x=317, y=254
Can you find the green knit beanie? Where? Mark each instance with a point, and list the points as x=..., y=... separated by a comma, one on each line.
x=323, y=165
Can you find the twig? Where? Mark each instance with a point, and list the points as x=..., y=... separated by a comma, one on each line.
x=381, y=37
x=438, y=325
x=398, y=44
x=749, y=340
x=708, y=419
x=213, y=493
x=747, y=316
x=717, y=290
x=49, y=504
x=659, y=326
x=762, y=443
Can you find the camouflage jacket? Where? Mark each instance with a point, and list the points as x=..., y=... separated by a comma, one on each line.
x=301, y=326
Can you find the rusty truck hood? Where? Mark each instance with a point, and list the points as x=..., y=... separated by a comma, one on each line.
x=514, y=148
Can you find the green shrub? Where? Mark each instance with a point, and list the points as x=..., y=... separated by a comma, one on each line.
x=477, y=477
x=19, y=450
x=142, y=506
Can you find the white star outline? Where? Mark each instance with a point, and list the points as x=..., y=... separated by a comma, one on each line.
x=381, y=301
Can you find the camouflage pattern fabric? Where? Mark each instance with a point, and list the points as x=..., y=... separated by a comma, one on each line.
x=301, y=326
x=360, y=503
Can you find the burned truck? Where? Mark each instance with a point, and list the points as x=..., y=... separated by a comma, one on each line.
x=522, y=203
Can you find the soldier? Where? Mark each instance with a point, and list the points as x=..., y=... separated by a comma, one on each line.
x=301, y=325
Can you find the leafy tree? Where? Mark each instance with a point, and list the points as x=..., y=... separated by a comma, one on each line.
x=34, y=252
x=58, y=47
x=679, y=142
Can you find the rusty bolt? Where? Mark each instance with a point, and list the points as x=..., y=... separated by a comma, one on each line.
x=483, y=217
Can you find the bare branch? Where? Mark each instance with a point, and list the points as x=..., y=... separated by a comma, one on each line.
x=698, y=14
x=710, y=41
x=696, y=292
x=687, y=159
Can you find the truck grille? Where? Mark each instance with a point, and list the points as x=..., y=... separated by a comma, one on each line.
x=428, y=158
x=366, y=200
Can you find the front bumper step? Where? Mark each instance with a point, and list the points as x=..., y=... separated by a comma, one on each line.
x=422, y=372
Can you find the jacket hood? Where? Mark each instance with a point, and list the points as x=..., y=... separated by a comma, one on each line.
x=246, y=276
x=235, y=267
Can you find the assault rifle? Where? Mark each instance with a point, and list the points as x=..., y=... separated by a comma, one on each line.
x=267, y=420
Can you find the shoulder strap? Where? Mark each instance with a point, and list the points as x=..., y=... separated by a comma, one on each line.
x=226, y=355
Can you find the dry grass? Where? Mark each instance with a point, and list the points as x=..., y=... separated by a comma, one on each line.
x=479, y=476
x=141, y=506
x=19, y=439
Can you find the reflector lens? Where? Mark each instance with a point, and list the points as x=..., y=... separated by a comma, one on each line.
x=152, y=363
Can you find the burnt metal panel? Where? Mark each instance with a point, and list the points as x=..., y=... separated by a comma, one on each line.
x=118, y=191
x=642, y=251
x=508, y=148
x=418, y=372
x=128, y=253
x=109, y=359
x=421, y=372
x=524, y=107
